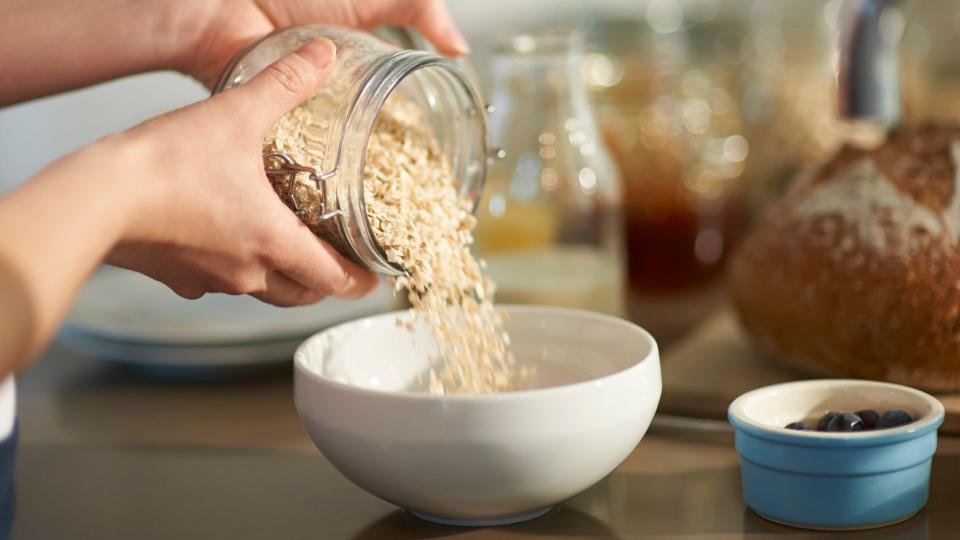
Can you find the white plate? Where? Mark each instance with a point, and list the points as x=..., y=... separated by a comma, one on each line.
x=127, y=318
x=184, y=361
x=121, y=306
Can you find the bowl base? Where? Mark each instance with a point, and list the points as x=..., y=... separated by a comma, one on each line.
x=482, y=522
x=853, y=528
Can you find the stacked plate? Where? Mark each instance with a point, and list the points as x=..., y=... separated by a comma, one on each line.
x=127, y=318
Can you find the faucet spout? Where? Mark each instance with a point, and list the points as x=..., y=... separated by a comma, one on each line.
x=868, y=80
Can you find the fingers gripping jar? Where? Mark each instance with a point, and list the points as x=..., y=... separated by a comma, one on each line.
x=323, y=184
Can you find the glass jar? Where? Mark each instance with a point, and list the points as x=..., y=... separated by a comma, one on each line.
x=367, y=72
x=673, y=125
x=550, y=225
x=789, y=92
x=709, y=107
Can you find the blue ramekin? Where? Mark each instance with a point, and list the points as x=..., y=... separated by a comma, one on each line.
x=834, y=481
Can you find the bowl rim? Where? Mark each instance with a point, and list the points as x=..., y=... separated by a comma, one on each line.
x=301, y=370
x=926, y=423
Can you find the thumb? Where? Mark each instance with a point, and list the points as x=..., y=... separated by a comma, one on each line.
x=284, y=84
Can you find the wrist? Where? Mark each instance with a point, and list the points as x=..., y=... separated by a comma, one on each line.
x=94, y=42
x=123, y=163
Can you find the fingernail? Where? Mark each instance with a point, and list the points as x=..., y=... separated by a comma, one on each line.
x=457, y=41
x=320, y=52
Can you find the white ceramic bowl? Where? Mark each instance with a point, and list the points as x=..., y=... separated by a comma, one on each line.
x=479, y=459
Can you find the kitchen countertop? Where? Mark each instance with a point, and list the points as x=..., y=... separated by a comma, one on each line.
x=105, y=454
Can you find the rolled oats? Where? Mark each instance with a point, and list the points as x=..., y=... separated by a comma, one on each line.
x=423, y=225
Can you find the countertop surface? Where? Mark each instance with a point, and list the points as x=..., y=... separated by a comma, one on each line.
x=105, y=454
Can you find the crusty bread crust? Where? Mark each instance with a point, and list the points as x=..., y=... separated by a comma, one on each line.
x=845, y=276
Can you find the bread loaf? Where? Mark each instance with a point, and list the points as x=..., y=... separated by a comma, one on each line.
x=855, y=272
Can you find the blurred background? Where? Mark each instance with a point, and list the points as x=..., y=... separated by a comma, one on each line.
x=636, y=157
x=681, y=120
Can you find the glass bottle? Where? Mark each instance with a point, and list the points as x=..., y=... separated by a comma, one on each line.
x=670, y=122
x=328, y=195
x=550, y=222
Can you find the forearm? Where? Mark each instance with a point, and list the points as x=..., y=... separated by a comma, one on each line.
x=49, y=46
x=56, y=228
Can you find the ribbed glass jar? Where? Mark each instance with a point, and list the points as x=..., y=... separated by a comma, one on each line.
x=368, y=70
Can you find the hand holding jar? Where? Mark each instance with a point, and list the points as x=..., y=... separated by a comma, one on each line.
x=196, y=169
x=182, y=198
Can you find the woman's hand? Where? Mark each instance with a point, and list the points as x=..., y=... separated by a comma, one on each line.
x=182, y=198
x=226, y=26
x=207, y=219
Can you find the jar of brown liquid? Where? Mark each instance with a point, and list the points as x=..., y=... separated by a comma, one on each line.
x=550, y=223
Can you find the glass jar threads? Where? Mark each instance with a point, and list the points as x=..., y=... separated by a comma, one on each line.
x=322, y=180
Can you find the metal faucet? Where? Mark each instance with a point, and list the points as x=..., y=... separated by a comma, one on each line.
x=868, y=80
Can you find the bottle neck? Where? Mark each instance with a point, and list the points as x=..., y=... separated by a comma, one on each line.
x=542, y=81
x=542, y=90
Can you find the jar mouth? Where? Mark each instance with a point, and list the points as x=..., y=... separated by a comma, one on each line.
x=404, y=66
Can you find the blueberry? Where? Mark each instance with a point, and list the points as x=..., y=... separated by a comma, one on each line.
x=869, y=418
x=894, y=418
x=845, y=422
x=799, y=426
x=825, y=420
